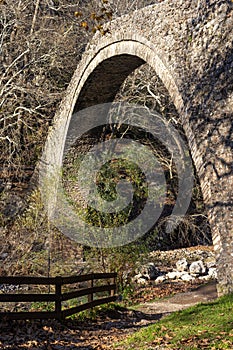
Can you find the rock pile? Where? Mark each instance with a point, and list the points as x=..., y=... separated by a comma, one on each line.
x=184, y=269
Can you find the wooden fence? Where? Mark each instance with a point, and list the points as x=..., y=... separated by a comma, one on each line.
x=58, y=296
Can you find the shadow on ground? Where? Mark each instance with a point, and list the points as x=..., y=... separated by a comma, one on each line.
x=109, y=327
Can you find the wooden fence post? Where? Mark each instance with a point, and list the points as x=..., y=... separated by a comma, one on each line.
x=58, y=294
x=113, y=291
x=91, y=284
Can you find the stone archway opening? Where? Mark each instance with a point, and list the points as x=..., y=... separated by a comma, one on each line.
x=104, y=82
x=98, y=78
x=129, y=78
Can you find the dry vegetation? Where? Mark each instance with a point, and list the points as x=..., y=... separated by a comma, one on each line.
x=41, y=43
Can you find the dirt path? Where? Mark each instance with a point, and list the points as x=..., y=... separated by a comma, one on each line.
x=181, y=301
x=102, y=333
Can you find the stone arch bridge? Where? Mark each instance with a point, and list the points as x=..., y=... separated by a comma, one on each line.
x=189, y=45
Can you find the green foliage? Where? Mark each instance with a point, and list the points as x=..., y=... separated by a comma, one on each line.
x=95, y=312
x=42, y=306
x=106, y=182
x=122, y=259
x=207, y=325
x=86, y=315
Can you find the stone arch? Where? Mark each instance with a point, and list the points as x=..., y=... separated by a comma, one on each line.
x=98, y=77
x=105, y=65
x=106, y=70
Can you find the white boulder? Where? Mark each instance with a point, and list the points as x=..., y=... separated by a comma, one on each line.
x=149, y=271
x=160, y=279
x=140, y=279
x=205, y=278
x=211, y=263
x=174, y=275
x=182, y=265
x=197, y=268
x=212, y=272
x=187, y=277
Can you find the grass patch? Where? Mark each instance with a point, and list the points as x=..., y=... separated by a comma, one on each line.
x=97, y=312
x=90, y=314
x=204, y=326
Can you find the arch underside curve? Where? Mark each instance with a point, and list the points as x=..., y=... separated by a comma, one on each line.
x=107, y=68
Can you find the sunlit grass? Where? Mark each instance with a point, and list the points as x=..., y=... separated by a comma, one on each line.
x=204, y=326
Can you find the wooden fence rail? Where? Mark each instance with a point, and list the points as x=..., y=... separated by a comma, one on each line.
x=58, y=296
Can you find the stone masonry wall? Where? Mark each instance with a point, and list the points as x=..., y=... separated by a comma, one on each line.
x=189, y=44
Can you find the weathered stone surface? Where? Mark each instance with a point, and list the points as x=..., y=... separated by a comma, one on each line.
x=153, y=272
x=3, y=256
x=140, y=279
x=197, y=268
x=186, y=277
x=160, y=279
x=173, y=275
x=182, y=265
x=13, y=206
x=210, y=263
x=189, y=45
x=212, y=272
x=148, y=272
